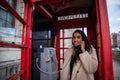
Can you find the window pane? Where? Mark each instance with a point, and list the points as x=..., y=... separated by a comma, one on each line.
x=61, y=43
x=85, y=31
x=41, y=38
x=65, y=50
x=18, y=5
x=61, y=63
x=8, y=35
x=67, y=43
x=61, y=33
x=9, y=63
x=42, y=35
x=49, y=34
x=61, y=53
x=43, y=43
x=8, y=20
x=12, y=3
x=2, y=23
x=3, y=13
x=9, y=25
x=11, y=34
x=69, y=32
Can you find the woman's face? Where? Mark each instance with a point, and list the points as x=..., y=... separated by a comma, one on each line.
x=77, y=39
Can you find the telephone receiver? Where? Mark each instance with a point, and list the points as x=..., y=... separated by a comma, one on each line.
x=78, y=49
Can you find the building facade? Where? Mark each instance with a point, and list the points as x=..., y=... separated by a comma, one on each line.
x=115, y=40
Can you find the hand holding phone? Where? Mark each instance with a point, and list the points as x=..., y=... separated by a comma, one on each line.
x=83, y=46
x=78, y=49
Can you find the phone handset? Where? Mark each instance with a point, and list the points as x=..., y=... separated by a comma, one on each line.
x=78, y=49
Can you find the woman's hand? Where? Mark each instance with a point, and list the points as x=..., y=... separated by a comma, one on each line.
x=83, y=46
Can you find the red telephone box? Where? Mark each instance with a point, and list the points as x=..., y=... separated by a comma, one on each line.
x=66, y=14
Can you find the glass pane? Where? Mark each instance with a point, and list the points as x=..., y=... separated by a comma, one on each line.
x=9, y=25
x=43, y=43
x=61, y=33
x=18, y=5
x=61, y=53
x=67, y=43
x=85, y=31
x=61, y=63
x=61, y=43
x=9, y=63
x=65, y=50
x=49, y=34
x=12, y=3
x=8, y=20
x=3, y=13
x=2, y=23
x=69, y=32
x=41, y=38
x=41, y=35
x=11, y=33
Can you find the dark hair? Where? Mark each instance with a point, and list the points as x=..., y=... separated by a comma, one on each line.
x=87, y=44
x=77, y=51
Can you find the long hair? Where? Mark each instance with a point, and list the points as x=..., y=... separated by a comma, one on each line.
x=87, y=44
x=78, y=51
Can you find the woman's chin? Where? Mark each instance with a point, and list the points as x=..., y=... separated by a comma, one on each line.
x=76, y=45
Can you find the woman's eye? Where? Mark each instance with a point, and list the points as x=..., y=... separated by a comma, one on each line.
x=73, y=37
x=78, y=37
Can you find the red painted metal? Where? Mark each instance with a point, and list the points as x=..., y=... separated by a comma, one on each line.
x=105, y=69
x=35, y=0
x=49, y=9
x=106, y=51
x=75, y=23
x=26, y=50
x=29, y=2
x=5, y=44
x=41, y=11
x=15, y=76
x=99, y=73
x=58, y=48
x=72, y=11
x=26, y=53
x=5, y=4
x=45, y=2
x=93, y=36
x=63, y=4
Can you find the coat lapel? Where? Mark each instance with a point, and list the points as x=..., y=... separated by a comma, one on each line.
x=67, y=63
x=75, y=69
x=66, y=67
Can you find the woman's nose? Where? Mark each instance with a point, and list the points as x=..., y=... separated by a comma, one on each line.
x=75, y=39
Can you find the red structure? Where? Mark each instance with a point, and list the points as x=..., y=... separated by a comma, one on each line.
x=94, y=18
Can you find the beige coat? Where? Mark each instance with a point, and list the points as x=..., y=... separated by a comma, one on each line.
x=83, y=69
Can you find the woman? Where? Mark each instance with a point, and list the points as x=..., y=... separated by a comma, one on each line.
x=80, y=61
